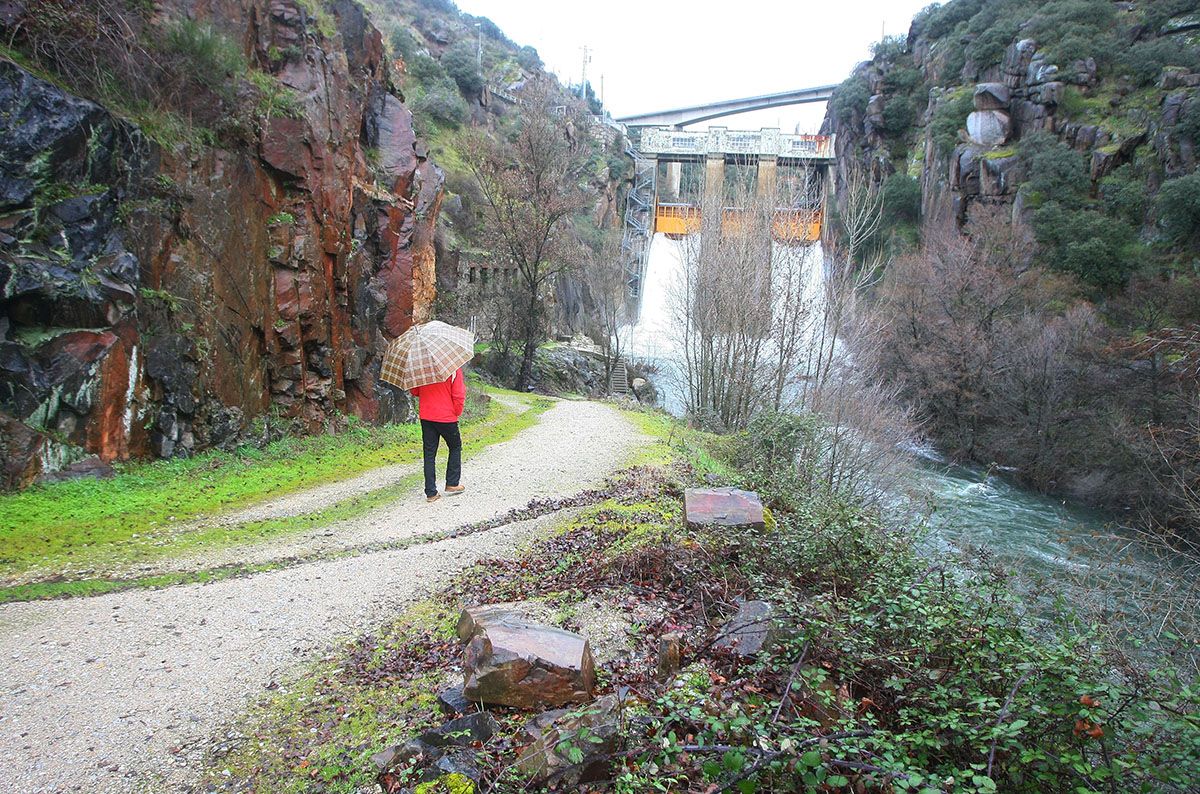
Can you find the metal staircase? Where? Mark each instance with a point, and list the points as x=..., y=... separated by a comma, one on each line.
x=619, y=382
x=639, y=227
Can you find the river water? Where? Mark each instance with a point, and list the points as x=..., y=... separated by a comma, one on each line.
x=968, y=508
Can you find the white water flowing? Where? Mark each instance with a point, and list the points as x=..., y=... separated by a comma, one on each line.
x=655, y=338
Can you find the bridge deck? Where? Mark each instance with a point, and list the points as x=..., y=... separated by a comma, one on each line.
x=668, y=144
x=680, y=117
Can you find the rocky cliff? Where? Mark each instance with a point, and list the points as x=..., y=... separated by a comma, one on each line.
x=950, y=106
x=156, y=298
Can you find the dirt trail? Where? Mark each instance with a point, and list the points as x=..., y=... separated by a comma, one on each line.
x=120, y=693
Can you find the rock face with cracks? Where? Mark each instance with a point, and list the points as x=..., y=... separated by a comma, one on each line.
x=512, y=661
x=155, y=299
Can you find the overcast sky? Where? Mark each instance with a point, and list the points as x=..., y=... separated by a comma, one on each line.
x=665, y=54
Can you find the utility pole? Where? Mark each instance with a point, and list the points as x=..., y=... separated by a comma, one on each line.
x=583, y=77
x=479, y=50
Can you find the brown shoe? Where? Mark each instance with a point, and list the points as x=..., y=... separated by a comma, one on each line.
x=453, y=489
x=433, y=498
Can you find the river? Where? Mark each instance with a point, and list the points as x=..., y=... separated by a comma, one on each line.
x=967, y=508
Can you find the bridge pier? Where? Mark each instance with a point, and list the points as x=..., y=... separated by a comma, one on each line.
x=767, y=170
x=714, y=176
x=674, y=179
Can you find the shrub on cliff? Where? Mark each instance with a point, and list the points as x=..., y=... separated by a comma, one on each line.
x=425, y=70
x=1145, y=60
x=901, y=200
x=441, y=103
x=529, y=59
x=950, y=116
x=850, y=98
x=1178, y=208
x=1057, y=172
x=204, y=54
x=1124, y=194
x=1096, y=248
x=461, y=62
x=404, y=43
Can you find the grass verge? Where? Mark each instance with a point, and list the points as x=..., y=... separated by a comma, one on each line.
x=55, y=534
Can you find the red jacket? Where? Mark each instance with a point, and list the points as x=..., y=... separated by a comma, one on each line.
x=442, y=402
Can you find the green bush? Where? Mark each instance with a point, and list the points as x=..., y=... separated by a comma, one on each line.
x=1057, y=172
x=890, y=48
x=939, y=19
x=1124, y=195
x=1100, y=250
x=461, y=62
x=1189, y=120
x=1070, y=30
x=442, y=102
x=901, y=200
x=204, y=54
x=850, y=98
x=950, y=116
x=1145, y=60
x=948, y=682
x=404, y=43
x=905, y=91
x=425, y=70
x=1178, y=207
x=529, y=59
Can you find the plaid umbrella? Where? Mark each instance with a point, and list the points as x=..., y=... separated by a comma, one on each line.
x=427, y=353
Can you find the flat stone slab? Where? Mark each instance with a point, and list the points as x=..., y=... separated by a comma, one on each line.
x=722, y=507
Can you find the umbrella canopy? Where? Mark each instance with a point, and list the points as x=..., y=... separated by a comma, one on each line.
x=427, y=353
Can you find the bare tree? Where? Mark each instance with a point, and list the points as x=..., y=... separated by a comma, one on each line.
x=723, y=307
x=942, y=307
x=604, y=274
x=532, y=184
x=763, y=328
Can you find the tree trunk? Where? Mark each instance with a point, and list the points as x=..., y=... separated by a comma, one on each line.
x=531, y=345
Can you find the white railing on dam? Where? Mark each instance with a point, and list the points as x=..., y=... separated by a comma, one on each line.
x=719, y=140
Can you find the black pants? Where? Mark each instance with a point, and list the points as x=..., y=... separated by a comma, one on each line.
x=431, y=435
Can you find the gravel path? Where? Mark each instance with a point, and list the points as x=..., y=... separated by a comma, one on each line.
x=574, y=444
x=120, y=693
x=321, y=497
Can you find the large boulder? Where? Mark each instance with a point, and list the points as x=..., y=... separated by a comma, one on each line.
x=992, y=96
x=512, y=661
x=988, y=127
x=722, y=507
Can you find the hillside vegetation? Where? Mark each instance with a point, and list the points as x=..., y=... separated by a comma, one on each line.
x=1065, y=345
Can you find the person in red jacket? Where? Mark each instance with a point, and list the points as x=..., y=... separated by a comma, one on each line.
x=440, y=406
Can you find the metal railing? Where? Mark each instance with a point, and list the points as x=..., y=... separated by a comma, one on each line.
x=639, y=225
x=718, y=140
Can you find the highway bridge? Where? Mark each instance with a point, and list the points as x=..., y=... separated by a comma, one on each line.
x=681, y=117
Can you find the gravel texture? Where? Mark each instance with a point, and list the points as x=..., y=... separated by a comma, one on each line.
x=574, y=445
x=122, y=692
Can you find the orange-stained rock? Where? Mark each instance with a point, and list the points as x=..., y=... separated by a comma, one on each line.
x=512, y=661
x=722, y=507
x=281, y=262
